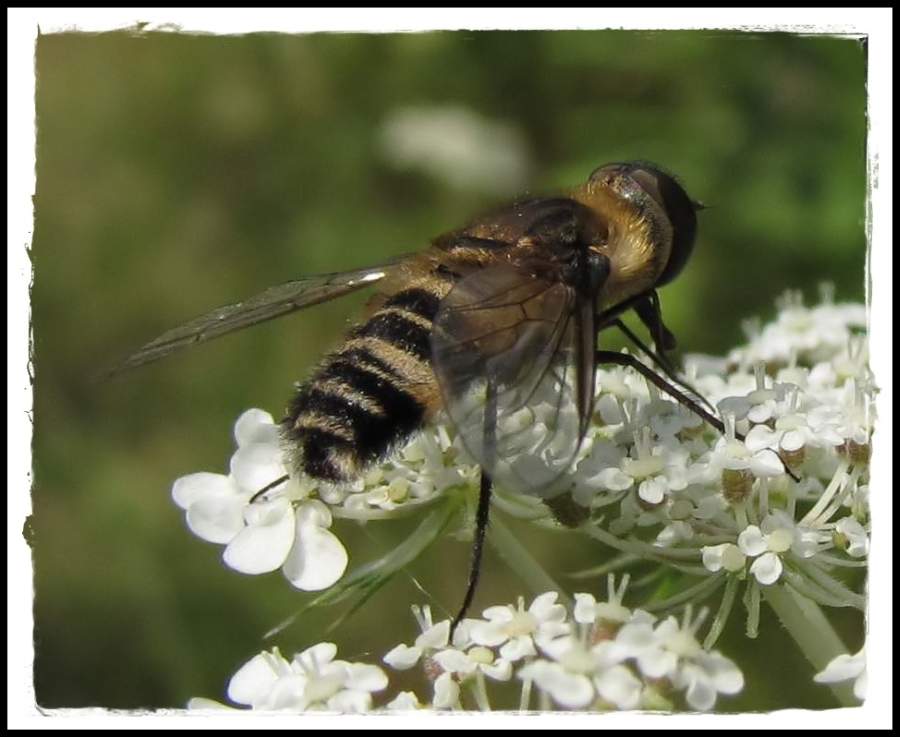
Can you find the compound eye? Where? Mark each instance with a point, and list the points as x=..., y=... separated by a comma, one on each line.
x=663, y=189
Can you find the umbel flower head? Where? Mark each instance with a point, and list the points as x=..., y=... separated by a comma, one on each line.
x=716, y=512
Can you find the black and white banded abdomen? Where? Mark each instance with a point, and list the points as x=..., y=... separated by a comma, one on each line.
x=370, y=395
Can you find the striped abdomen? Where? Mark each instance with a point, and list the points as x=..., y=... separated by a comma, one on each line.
x=371, y=394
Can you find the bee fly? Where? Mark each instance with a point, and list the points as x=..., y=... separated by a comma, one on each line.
x=499, y=316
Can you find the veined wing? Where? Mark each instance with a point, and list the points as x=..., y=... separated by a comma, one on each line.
x=273, y=302
x=514, y=357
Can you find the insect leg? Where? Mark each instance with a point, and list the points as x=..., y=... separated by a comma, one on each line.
x=650, y=313
x=661, y=362
x=484, y=500
x=623, y=359
x=481, y=523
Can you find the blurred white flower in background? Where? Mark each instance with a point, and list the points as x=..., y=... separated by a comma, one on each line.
x=457, y=146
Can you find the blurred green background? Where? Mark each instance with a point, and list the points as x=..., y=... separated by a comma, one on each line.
x=176, y=173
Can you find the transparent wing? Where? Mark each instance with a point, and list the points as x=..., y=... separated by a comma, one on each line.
x=511, y=356
x=273, y=302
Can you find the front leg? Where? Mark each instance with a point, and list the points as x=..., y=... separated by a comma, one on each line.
x=623, y=359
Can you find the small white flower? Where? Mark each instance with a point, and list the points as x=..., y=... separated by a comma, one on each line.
x=286, y=530
x=767, y=567
x=579, y=674
x=517, y=631
x=727, y=555
x=313, y=680
x=672, y=651
x=434, y=637
x=589, y=611
x=853, y=536
x=732, y=454
x=446, y=692
x=463, y=664
x=655, y=470
x=844, y=668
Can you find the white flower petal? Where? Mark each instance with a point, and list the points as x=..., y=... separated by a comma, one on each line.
x=403, y=657
x=216, y=520
x=726, y=676
x=317, y=558
x=614, y=479
x=751, y=541
x=287, y=693
x=195, y=487
x=712, y=556
x=619, y=686
x=255, y=679
x=700, y=693
x=545, y=607
x=404, y=701
x=313, y=512
x=365, y=677
x=255, y=426
x=767, y=568
x=766, y=464
x=567, y=689
x=453, y=661
x=257, y=465
x=653, y=491
x=446, y=692
x=860, y=686
x=585, y=608
x=437, y=636
x=842, y=668
x=264, y=544
x=857, y=539
x=517, y=648
x=657, y=663
x=499, y=670
x=489, y=634
x=351, y=702
x=316, y=657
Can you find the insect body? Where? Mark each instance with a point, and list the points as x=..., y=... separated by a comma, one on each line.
x=499, y=317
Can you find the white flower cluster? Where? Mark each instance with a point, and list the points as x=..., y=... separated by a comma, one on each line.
x=312, y=681
x=603, y=656
x=600, y=656
x=779, y=498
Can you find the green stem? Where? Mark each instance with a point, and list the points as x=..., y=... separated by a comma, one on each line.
x=751, y=601
x=525, y=699
x=718, y=623
x=620, y=561
x=811, y=630
x=697, y=592
x=832, y=586
x=522, y=562
x=480, y=692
